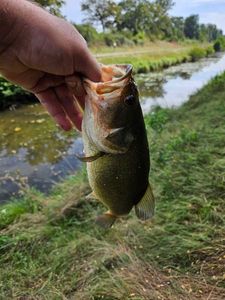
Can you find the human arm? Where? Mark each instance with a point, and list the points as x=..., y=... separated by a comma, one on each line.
x=46, y=56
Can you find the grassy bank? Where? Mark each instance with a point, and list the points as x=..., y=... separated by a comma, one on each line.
x=51, y=249
x=155, y=56
x=147, y=58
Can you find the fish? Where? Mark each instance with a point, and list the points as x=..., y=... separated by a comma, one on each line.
x=116, y=146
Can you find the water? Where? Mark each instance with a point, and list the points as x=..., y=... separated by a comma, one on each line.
x=35, y=152
x=173, y=86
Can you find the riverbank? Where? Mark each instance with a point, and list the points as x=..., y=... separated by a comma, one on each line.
x=51, y=249
x=155, y=56
x=148, y=58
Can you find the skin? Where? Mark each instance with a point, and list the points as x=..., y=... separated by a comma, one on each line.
x=46, y=56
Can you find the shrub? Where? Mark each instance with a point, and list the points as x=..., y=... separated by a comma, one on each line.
x=219, y=44
x=209, y=50
x=117, y=39
x=197, y=53
x=10, y=94
x=139, y=38
x=89, y=33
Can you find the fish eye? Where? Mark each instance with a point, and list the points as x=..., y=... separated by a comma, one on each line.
x=129, y=100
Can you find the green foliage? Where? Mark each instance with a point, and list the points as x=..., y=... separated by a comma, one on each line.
x=157, y=119
x=139, y=38
x=100, y=11
x=53, y=6
x=10, y=93
x=191, y=27
x=219, y=44
x=209, y=50
x=12, y=211
x=145, y=19
x=197, y=53
x=117, y=40
x=89, y=33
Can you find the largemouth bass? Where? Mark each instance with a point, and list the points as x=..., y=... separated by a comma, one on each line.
x=116, y=147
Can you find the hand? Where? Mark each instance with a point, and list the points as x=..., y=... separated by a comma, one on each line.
x=48, y=57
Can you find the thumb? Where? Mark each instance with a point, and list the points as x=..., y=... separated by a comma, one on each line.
x=88, y=66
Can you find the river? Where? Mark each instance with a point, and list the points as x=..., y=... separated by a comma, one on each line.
x=34, y=152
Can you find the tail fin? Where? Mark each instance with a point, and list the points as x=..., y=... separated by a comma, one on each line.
x=145, y=208
x=106, y=220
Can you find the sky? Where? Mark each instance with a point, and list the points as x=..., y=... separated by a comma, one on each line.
x=210, y=11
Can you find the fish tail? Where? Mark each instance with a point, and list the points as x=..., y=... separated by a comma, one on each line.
x=106, y=220
x=145, y=208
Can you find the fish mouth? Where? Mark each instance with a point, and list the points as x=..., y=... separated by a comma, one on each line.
x=114, y=79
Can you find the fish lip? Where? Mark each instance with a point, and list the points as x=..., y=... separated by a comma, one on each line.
x=128, y=69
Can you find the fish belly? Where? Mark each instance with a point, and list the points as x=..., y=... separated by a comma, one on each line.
x=119, y=181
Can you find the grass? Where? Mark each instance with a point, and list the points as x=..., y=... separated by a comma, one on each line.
x=51, y=249
x=154, y=56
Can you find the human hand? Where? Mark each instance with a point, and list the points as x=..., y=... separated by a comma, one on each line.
x=48, y=57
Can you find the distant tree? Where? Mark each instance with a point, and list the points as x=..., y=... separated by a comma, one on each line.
x=52, y=6
x=191, y=27
x=150, y=17
x=89, y=33
x=177, y=27
x=100, y=11
x=165, y=5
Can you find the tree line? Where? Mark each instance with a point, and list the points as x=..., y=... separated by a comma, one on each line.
x=133, y=21
x=139, y=19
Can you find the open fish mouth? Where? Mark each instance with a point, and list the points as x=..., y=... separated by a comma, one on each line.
x=114, y=78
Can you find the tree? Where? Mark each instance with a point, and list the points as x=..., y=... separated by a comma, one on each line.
x=146, y=16
x=191, y=27
x=53, y=6
x=100, y=11
x=177, y=28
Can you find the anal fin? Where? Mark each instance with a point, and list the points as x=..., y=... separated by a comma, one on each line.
x=146, y=207
x=106, y=220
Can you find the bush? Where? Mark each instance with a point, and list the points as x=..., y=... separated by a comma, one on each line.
x=209, y=50
x=117, y=39
x=139, y=38
x=197, y=53
x=89, y=33
x=10, y=94
x=219, y=44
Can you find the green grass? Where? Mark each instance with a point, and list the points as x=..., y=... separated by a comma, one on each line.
x=156, y=55
x=51, y=249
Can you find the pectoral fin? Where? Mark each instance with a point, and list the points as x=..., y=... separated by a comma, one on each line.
x=90, y=158
x=145, y=208
x=91, y=196
x=120, y=137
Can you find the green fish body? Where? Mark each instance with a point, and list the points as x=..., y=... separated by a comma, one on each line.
x=116, y=147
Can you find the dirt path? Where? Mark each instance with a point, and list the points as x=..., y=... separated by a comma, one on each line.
x=122, y=53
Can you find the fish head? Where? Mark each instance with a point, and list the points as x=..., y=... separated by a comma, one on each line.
x=111, y=109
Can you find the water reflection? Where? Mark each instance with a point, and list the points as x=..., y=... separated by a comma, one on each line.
x=34, y=152
x=175, y=85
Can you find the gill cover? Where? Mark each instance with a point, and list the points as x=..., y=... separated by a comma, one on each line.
x=106, y=121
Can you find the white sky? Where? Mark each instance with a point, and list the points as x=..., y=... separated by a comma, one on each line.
x=210, y=11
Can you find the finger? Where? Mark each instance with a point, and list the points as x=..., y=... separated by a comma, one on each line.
x=47, y=81
x=88, y=66
x=68, y=103
x=50, y=101
x=75, y=85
